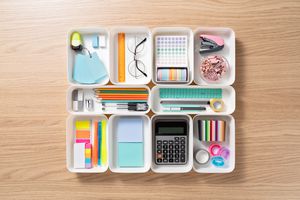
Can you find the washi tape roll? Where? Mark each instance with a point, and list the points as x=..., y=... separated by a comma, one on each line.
x=221, y=130
x=212, y=130
x=171, y=74
x=217, y=105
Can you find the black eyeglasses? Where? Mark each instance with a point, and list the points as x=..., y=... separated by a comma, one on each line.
x=136, y=67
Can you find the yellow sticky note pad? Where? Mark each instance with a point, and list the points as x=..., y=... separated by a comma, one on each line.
x=82, y=125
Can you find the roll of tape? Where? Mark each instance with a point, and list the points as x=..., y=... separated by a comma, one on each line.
x=202, y=156
x=217, y=105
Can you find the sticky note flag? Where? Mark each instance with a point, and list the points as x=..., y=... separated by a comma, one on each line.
x=130, y=154
x=82, y=125
x=83, y=134
x=88, y=155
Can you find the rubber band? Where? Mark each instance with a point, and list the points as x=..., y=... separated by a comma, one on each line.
x=214, y=149
x=224, y=153
x=218, y=161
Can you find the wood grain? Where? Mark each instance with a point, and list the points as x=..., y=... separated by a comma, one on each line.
x=33, y=91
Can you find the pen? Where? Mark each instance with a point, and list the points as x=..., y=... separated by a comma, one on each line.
x=184, y=108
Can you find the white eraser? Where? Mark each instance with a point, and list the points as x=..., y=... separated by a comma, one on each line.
x=102, y=41
x=79, y=156
x=75, y=105
x=80, y=95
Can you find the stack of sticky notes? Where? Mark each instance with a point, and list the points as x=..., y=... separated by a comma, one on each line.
x=88, y=155
x=130, y=142
x=90, y=149
x=82, y=145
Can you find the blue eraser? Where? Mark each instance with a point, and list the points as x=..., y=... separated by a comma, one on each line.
x=95, y=41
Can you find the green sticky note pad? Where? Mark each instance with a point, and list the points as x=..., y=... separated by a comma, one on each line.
x=130, y=154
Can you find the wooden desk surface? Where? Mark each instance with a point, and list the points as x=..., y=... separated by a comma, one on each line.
x=33, y=99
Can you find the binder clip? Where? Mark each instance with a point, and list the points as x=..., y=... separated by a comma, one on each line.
x=210, y=43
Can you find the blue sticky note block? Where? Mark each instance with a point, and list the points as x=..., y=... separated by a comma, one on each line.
x=95, y=41
x=130, y=129
x=88, y=70
x=130, y=154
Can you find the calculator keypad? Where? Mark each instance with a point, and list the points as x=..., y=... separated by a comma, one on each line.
x=171, y=150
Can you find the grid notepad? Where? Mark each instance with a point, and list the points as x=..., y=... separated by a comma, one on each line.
x=171, y=51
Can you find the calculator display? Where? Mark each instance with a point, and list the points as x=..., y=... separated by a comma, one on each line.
x=170, y=130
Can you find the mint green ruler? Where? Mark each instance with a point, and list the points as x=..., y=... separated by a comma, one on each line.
x=190, y=93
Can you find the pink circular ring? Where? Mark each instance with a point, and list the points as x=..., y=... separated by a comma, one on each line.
x=214, y=149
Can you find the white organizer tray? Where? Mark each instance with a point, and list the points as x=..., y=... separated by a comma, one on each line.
x=229, y=143
x=112, y=140
x=175, y=31
x=70, y=139
x=175, y=168
x=103, y=53
x=144, y=55
x=228, y=52
x=88, y=91
x=109, y=56
x=228, y=94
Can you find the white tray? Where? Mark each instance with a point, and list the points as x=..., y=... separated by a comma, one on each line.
x=174, y=31
x=145, y=56
x=97, y=105
x=229, y=143
x=103, y=53
x=228, y=52
x=175, y=168
x=70, y=138
x=228, y=94
x=112, y=140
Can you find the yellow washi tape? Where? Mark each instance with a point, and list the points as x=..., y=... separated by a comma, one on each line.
x=217, y=105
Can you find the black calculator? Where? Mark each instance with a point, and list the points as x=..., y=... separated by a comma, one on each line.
x=171, y=142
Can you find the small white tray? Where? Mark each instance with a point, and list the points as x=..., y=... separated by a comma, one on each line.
x=112, y=140
x=228, y=94
x=103, y=53
x=229, y=143
x=175, y=168
x=88, y=90
x=175, y=31
x=144, y=56
x=70, y=139
x=228, y=52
